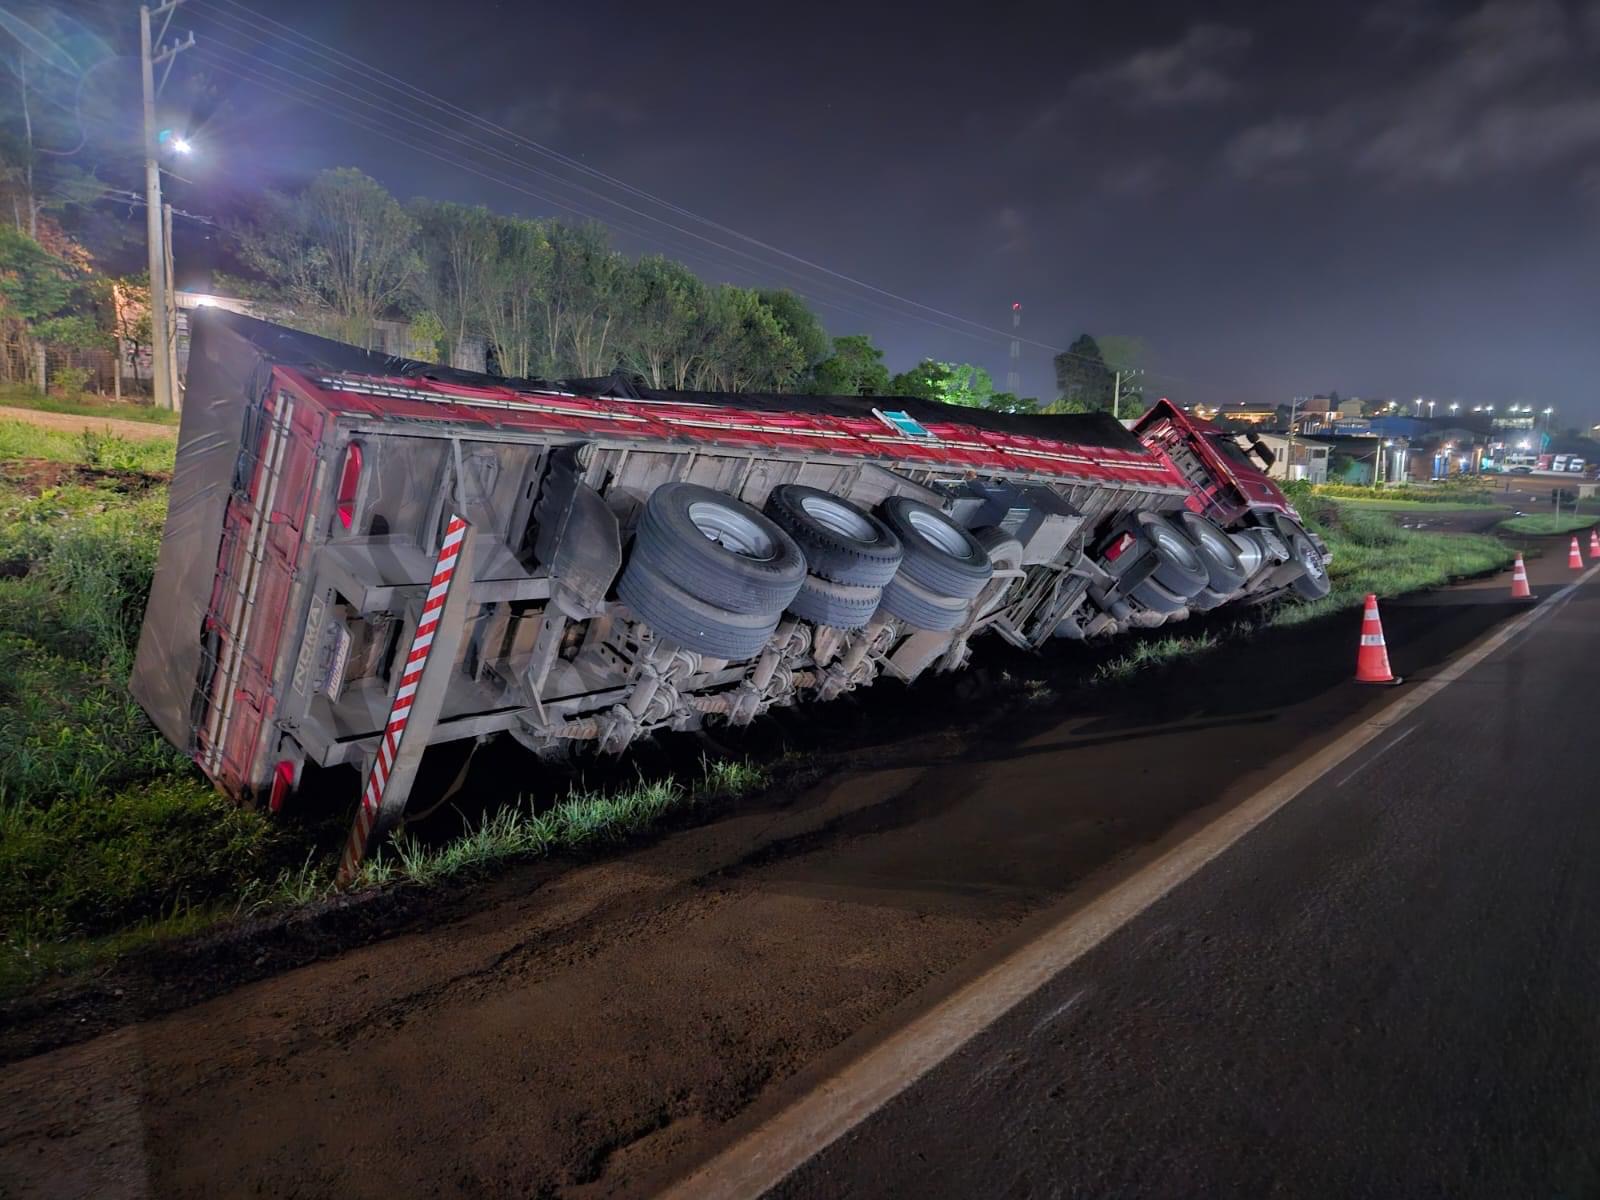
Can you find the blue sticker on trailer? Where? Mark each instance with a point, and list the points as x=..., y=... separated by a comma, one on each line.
x=902, y=422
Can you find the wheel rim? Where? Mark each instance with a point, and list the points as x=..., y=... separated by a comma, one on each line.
x=732, y=531
x=1214, y=541
x=1310, y=558
x=839, y=518
x=939, y=533
x=1176, y=547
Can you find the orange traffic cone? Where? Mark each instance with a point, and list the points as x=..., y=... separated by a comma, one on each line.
x=1594, y=543
x=1574, y=558
x=1519, y=581
x=1372, y=662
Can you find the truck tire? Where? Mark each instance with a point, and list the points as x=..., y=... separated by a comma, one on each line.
x=922, y=608
x=841, y=605
x=1207, y=600
x=940, y=556
x=718, y=549
x=1179, y=567
x=1159, y=599
x=676, y=616
x=1314, y=583
x=841, y=543
x=1217, y=552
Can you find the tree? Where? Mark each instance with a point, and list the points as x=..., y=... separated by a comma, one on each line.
x=855, y=368
x=343, y=246
x=516, y=285
x=663, y=304
x=947, y=383
x=1011, y=403
x=35, y=288
x=457, y=248
x=1083, y=381
x=748, y=349
x=800, y=325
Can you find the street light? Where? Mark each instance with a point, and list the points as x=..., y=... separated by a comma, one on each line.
x=1453, y=406
x=182, y=145
x=1430, y=410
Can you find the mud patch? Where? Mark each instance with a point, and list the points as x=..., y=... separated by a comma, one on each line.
x=34, y=476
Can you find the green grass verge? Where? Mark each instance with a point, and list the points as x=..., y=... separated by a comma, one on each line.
x=1373, y=554
x=583, y=820
x=1466, y=493
x=86, y=405
x=1547, y=523
x=1401, y=505
x=102, y=451
x=108, y=836
x=1153, y=653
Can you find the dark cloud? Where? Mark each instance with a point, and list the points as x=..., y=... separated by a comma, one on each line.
x=1277, y=198
x=1137, y=177
x=1512, y=86
x=1195, y=69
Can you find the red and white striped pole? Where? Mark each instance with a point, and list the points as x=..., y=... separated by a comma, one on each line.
x=383, y=764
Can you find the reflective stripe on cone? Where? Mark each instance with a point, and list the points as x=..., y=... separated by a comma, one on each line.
x=1519, y=581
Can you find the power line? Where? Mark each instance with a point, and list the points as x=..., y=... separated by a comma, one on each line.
x=810, y=286
x=247, y=26
x=371, y=124
x=385, y=79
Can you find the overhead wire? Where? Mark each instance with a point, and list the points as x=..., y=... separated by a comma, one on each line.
x=257, y=72
x=814, y=290
x=260, y=77
x=394, y=83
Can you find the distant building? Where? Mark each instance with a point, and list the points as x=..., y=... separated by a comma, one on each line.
x=1297, y=458
x=1350, y=408
x=1239, y=414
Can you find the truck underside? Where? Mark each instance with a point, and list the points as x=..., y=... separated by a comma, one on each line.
x=365, y=556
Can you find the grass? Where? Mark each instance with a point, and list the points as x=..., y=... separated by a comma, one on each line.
x=1466, y=493
x=108, y=836
x=1547, y=523
x=1153, y=652
x=1397, y=504
x=1373, y=554
x=86, y=405
x=582, y=820
x=102, y=451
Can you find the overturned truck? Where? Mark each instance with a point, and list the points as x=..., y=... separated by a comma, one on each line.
x=364, y=556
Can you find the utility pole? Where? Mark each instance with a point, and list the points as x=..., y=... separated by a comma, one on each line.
x=1014, y=374
x=160, y=282
x=1116, y=389
x=1288, y=457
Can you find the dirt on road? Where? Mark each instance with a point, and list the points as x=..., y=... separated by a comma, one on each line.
x=75, y=423
x=596, y=1030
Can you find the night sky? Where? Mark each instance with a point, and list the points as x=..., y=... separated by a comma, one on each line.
x=1398, y=199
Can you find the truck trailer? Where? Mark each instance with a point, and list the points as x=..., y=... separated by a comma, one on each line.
x=365, y=556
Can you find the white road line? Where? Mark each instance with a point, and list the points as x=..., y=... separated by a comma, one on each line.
x=1402, y=737
x=758, y=1162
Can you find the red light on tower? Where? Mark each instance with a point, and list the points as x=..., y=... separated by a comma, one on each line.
x=1016, y=306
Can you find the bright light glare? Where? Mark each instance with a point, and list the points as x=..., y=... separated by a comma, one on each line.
x=182, y=145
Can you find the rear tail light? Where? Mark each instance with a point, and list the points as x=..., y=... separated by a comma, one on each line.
x=282, y=781
x=1119, y=547
x=349, y=484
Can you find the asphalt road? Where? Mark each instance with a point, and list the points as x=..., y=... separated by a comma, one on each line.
x=600, y=1028
x=1391, y=987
